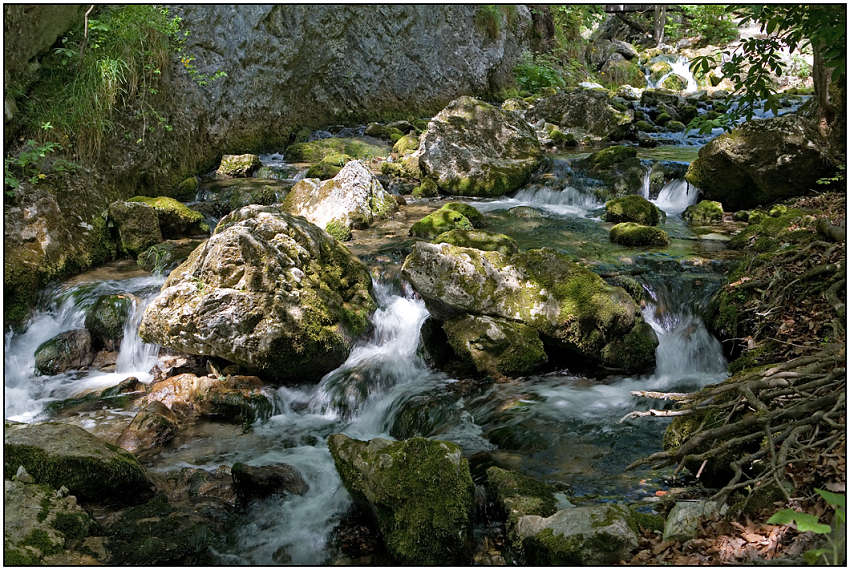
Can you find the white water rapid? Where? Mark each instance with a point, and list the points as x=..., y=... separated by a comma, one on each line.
x=676, y=196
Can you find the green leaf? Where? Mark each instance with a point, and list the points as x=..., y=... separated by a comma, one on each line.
x=804, y=521
x=833, y=499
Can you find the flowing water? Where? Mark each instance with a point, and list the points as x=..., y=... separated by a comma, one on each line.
x=558, y=426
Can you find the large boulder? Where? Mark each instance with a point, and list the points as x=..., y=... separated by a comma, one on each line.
x=269, y=291
x=138, y=226
x=65, y=455
x=479, y=239
x=351, y=199
x=65, y=351
x=176, y=219
x=633, y=235
x=518, y=495
x=472, y=148
x=586, y=109
x=760, y=162
x=598, y=535
x=618, y=167
x=567, y=304
x=420, y=492
x=495, y=346
x=632, y=208
x=705, y=212
x=451, y=216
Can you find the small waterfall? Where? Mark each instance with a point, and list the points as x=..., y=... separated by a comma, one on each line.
x=388, y=358
x=644, y=187
x=676, y=196
x=679, y=66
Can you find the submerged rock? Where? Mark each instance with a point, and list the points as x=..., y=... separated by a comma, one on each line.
x=419, y=490
x=632, y=234
x=268, y=291
x=598, y=535
x=64, y=455
x=352, y=199
x=495, y=346
x=238, y=165
x=65, y=351
x=632, y=208
x=760, y=162
x=138, y=226
x=566, y=303
x=472, y=148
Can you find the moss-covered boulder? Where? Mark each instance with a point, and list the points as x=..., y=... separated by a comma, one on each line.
x=137, y=224
x=496, y=347
x=705, y=212
x=65, y=351
x=633, y=351
x=674, y=82
x=472, y=148
x=659, y=69
x=479, y=239
x=315, y=151
x=419, y=490
x=329, y=166
x=676, y=126
x=426, y=189
x=354, y=198
x=597, y=535
x=618, y=167
x=176, y=219
x=166, y=255
x=451, y=216
x=64, y=455
x=385, y=132
x=269, y=291
x=107, y=317
x=760, y=162
x=519, y=495
x=572, y=307
x=632, y=234
x=406, y=144
x=43, y=527
x=238, y=165
x=661, y=97
x=586, y=109
x=632, y=208
x=187, y=189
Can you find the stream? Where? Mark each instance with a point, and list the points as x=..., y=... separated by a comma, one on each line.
x=559, y=426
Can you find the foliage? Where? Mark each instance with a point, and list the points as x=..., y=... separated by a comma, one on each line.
x=116, y=63
x=535, y=72
x=711, y=22
x=488, y=18
x=789, y=26
x=806, y=522
x=26, y=164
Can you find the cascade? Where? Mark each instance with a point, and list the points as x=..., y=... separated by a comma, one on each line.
x=676, y=196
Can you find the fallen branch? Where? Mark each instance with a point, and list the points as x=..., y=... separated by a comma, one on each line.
x=655, y=413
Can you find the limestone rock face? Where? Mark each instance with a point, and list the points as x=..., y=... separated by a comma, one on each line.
x=598, y=535
x=472, y=148
x=565, y=302
x=64, y=455
x=352, y=198
x=760, y=162
x=269, y=291
x=420, y=491
x=586, y=109
x=65, y=351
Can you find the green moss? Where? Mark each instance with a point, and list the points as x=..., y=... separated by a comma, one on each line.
x=405, y=144
x=632, y=208
x=645, y=126
x=520, y=495
x=338, y=230
x=494, y=346
x=676, y=126
x=675, y=82
x=74, y=526
x=329, y=166
x=610, y=156
x=315, y=151
x=663, y=118
x=41, y=541
x=175, y=218
x=454, y=215
x=632, y=234
x=705, y=212
x=479, y=239
x=19, y=557
x=633, y=351
x=646, y=521
x=561, y=139
x=427, y=189
x=187, y=189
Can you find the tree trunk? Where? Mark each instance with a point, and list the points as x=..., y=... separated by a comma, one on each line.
x=660, y=20
x=830, y=105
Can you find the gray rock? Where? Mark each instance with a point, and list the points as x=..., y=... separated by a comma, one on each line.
x=269, y=291
x=586, y=109
x=65, y=351
x=138, y=225
x=598, y=535
x=352, y=198
x=238, y=165
x=495, y=346
x=683, y=521
x=472, y=148
x=264, y=480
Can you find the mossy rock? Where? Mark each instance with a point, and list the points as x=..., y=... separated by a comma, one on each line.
x=329, y=166
x=676, y=126
x=238, y=165
x=138, y=226
x=315, y=151
x=64, y=455
x=645, y=126
x=339, y=230
x=496, y=347
x=519, y=495
x=618, y=167
x=427, y=189
x=632, y=234
x=479, y=239
x=186, y=190
x=663, y=118
x=705, y=212
x=451, y=216
x=632, y=208
x=168, y=254
x=407, y=143
x=562, y=139
x=106, y=318
x=65, y=351
x=634, y=351
x=675, y=82
x=659, y=69
x=176, y=219
x=610, y=156
x=385, y=132
x=420, y=492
